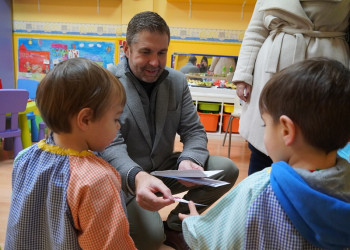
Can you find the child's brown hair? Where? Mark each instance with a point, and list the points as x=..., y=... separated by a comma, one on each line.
x=315, y=94
x=72, y=85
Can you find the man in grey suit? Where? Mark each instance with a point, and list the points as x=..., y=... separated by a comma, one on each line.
x=159, y=106
x=190, y=66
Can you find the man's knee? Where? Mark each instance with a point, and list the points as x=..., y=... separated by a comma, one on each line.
x=149, y=239
x=146, y=227
x=230, y=170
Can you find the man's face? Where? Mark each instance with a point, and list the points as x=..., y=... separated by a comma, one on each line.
x=147, y=56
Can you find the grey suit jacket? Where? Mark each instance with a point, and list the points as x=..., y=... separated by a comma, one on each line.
x=174, y=114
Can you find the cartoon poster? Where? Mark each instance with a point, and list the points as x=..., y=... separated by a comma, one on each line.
x=33, y=61
x=37, y=56
x=121, y=51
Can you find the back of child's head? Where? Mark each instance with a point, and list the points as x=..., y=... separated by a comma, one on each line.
x=315, y=94
x=72, y=85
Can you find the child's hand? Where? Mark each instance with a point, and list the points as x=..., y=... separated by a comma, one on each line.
x=193, y=211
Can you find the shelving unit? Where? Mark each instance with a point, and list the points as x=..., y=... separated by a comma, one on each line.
x=213, y=94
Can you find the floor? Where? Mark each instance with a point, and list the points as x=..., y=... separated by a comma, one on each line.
x=239, y=154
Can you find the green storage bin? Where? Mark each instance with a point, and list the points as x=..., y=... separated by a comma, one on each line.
x=209, y=106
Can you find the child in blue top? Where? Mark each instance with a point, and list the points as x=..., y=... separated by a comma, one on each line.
x=303, y=200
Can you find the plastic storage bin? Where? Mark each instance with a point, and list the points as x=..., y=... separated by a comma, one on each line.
x=234, y=125
x=209, y=121
x=228, y=108
x=209, y=107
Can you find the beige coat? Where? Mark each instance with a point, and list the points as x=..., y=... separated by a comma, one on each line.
x=282, y=32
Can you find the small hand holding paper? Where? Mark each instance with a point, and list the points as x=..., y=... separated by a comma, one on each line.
x=188, y=165
x=193, y=211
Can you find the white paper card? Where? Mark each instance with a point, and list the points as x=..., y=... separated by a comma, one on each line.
x=185, y=201
x=194, y=176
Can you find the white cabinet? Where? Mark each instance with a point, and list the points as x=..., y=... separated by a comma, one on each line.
x=213, y=94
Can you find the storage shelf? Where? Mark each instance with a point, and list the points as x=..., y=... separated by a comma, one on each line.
x=237, y=2
x=213, y=94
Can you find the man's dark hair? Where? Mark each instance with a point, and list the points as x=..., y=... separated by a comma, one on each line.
x=192, y=59
x=146, y=21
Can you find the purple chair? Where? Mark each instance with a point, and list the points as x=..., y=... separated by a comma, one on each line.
x=12, y=101
x=42, y=127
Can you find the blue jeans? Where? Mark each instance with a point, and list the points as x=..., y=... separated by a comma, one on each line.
x=258, y=160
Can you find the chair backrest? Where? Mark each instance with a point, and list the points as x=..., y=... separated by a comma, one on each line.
x=30, y=85
x=12, y=101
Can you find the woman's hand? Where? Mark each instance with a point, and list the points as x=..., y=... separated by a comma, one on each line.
x=243, y=90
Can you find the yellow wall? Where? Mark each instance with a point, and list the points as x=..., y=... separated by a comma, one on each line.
x=203, y=15
x=68, y=11
x=176, y=13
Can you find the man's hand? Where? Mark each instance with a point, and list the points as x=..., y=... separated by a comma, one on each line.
x=243, y=90
x=146, y=188
x=188, y=165
x=193, y=211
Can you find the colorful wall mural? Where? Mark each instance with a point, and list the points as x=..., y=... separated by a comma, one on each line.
x=37, y=56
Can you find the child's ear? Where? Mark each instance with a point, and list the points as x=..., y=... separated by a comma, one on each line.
x=288, y=130
x=84, y=118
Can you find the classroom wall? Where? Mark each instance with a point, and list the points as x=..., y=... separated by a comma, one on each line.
x=202, y=14
x=204, y=27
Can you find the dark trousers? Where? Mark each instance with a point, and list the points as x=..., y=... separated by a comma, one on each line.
x=258, y=160
x=146, y=227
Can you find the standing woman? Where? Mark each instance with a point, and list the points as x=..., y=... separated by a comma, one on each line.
x=280, y=33
x=203, y=67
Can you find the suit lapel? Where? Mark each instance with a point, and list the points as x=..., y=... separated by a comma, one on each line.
x=137, y=112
